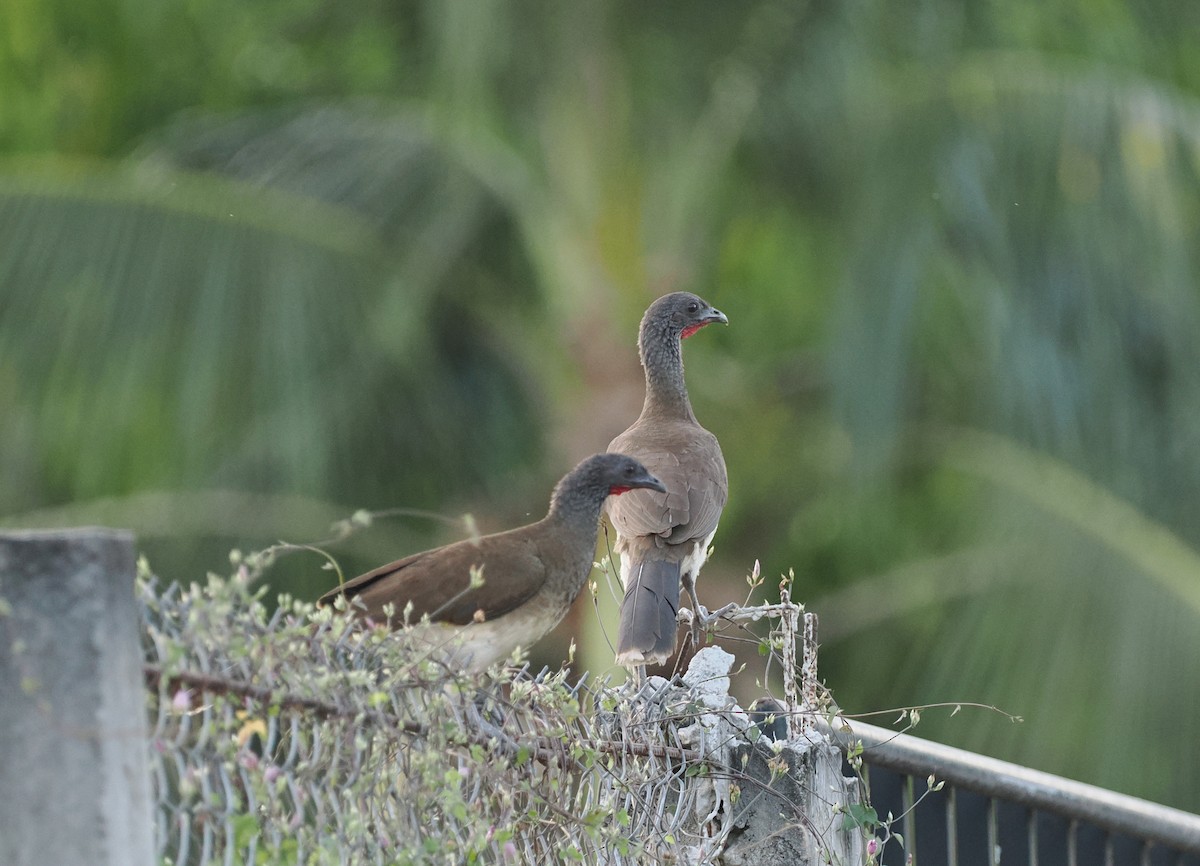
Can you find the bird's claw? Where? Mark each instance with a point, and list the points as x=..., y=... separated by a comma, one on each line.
x=701, y=621
x=710, y=617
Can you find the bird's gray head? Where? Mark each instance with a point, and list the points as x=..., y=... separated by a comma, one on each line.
x=679, y=315
x=601, y=476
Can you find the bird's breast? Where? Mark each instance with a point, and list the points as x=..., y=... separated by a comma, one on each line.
x=479, y=645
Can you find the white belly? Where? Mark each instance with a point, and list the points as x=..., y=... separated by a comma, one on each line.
x=478, y=646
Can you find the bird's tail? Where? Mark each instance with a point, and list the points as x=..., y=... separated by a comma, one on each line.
x=646, y=634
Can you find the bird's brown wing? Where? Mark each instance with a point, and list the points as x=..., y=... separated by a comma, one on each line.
x=688, y=461
x=437, y=582
x=707, y=492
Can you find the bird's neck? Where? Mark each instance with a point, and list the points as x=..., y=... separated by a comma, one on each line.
x=666, y=389
x=574, y=522
x=575, y=512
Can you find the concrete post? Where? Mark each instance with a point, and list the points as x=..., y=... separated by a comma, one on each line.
x=74, y=776
x=794, y=817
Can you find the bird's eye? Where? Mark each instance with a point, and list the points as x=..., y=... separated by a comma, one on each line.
x=693, y=307
x=628, y=470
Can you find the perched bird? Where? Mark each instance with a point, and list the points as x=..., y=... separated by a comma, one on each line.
x=663, y=536
x=530, y=576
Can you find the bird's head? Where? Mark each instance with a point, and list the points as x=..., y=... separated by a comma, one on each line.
x=622, y=474
x=586, y=486
x=681, y=314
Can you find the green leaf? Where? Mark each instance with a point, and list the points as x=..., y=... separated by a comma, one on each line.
x=245, y=829
x=860, y=815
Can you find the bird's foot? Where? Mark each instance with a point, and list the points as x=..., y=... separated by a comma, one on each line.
x=701, y=621
x=694, y=621
x=708, y=617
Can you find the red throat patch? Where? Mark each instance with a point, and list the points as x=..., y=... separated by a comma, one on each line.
x=617, y=491
x=691, y=329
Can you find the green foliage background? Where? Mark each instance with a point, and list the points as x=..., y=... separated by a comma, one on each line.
x=264, y=264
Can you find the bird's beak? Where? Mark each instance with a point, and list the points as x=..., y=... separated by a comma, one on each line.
x=715, y=316
x=650, y=483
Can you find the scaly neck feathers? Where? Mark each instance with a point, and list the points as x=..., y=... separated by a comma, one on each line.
x=661, y=353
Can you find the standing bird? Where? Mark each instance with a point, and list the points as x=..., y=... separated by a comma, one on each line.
x=530, y=576
x=663, y=536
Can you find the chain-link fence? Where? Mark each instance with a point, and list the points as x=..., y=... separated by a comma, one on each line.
x=278, y=735
x=287, y=737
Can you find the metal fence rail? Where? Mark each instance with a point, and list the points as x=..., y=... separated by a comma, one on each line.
x=993, y=812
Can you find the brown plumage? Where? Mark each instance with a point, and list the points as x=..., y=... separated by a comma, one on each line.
x=663, y=537
x=531, y=575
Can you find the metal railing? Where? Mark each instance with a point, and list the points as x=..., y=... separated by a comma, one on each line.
x=993, y=812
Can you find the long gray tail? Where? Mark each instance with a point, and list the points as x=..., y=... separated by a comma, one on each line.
x=647, y=631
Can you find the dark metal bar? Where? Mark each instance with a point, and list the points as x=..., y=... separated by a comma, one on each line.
x=907, y=801
x=1073, y=844
x=1032, y=831
x=993, y=835
x=1073, y=800
x=952, y=828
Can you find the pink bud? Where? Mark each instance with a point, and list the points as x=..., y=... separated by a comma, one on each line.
x=873, y=847
x=181, y=701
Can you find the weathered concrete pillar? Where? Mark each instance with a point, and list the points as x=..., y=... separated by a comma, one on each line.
x=74, y=778
x=794, y=817
x=790, y=795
